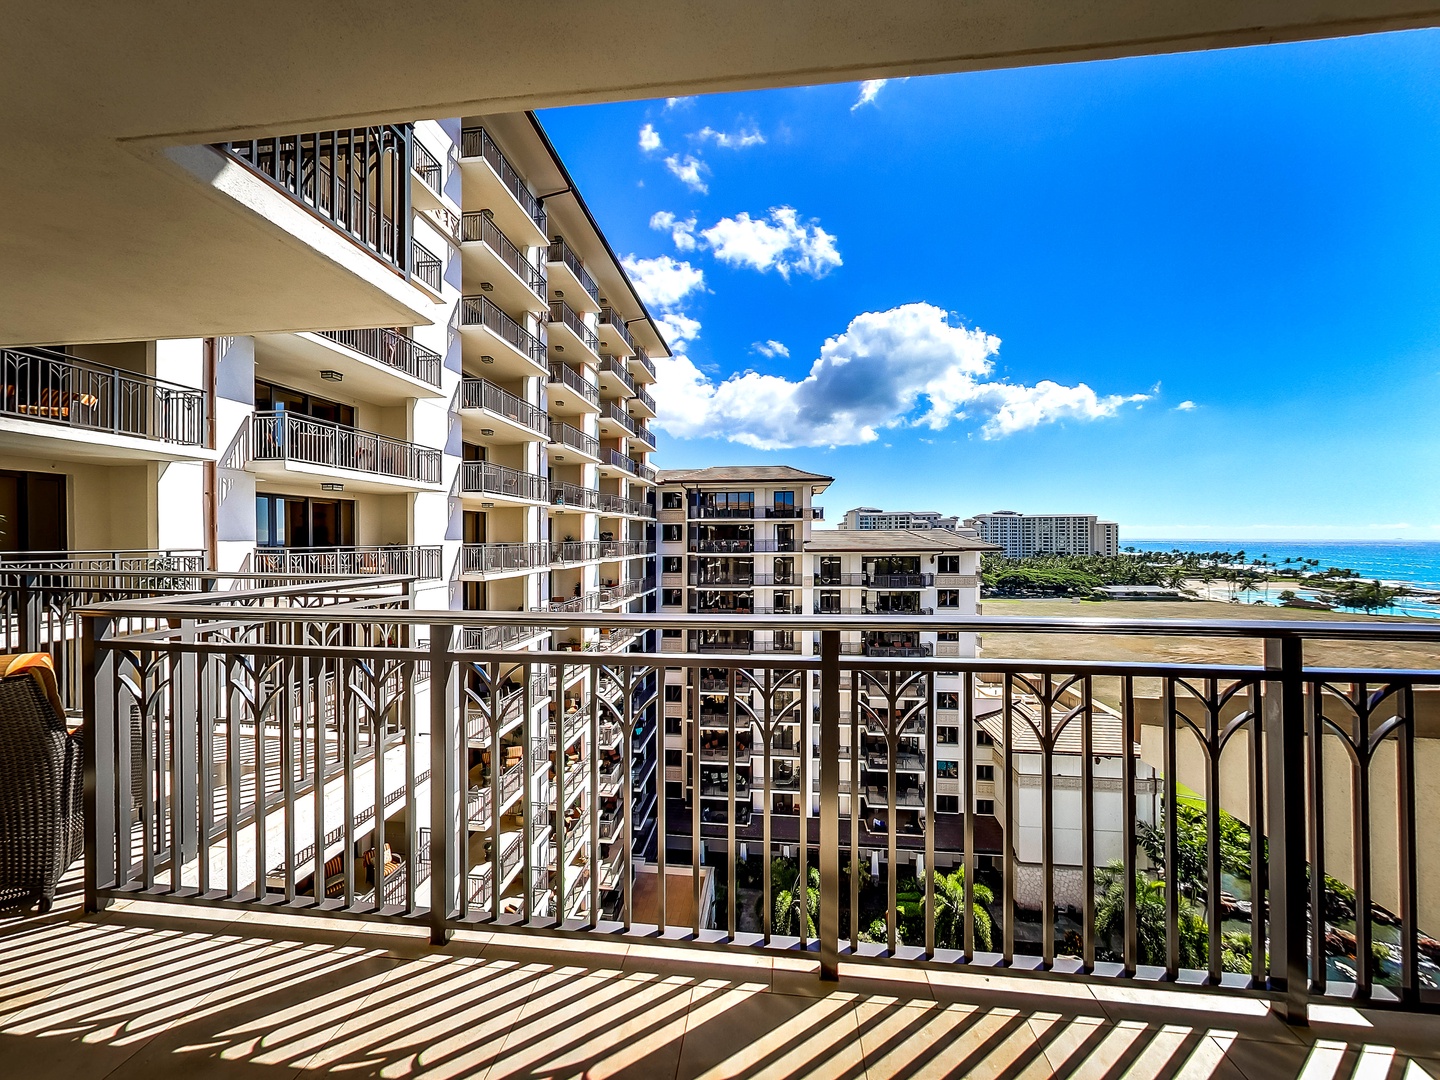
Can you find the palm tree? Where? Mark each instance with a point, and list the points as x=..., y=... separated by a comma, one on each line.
x=788, y=905
x=1149, y=919
x=950, y=912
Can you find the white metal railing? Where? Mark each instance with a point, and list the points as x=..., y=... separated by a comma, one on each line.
x=288, y=436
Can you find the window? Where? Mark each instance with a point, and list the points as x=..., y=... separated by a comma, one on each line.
x=948, y=564
x=674, y=725
x=32, y=512
x=985, y=806
x=985, y=772
x=784, y=602
x=674, y=758
x=291, y=521
x=673, y=597
x=784, y=571
x=674, y=691
x=947, y=804
x=828, y=602
x=672, y=534
x=948, y=635
x=947, y=770
x=829, y=570
x=672, y=500
x=948, y=736
x=983, y=738
x=669, y=633
x=723, y=504
x=672, y=564
x=947, y=598
x=947, y=699
x=784, y=537
x=785, y=504
x=272, y=398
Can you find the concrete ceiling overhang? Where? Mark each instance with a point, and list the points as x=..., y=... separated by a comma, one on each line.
x=107, y=233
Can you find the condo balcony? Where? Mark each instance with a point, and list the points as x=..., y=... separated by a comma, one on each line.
x=619, y=506
x=568, y=333
x=493, y=338
x=615, y=339
x=93, y=409
x=615, y=422
x=411, y=560
x=642, y=366
x=379, y=365
x=569, y=280
x=497, y=560
x=644, y=434
x=288, y=445
x=427, y=167
x=615, y=381
x=642, y=405
x=425, y=267
x=575, y=497
x=570, y=444
x=570, y=392
x=510, y=418
x=492, y=183
x=492, y=259
x=502, y=483
x=898, y=581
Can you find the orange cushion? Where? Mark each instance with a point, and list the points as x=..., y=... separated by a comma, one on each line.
x=37, y=666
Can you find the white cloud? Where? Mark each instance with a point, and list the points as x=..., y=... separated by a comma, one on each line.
x=681, y=232
x=687, y=170
x=649, y=138
x=679, y=329
x=1185, y=406
x=674, y=102
x=663, y=282
x=782, y=242
x=737, y=140
x=868, y=89
x=770, y=348
x=906, y=367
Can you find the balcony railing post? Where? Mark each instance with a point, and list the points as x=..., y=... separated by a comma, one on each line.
x=446, y=803
x=185, y=725
x=1284, y=726
x=829, y=804
x=99, y=760
x=28, y=604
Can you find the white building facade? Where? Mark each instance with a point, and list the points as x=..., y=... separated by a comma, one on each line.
x=1021, y=536
x=872, y=517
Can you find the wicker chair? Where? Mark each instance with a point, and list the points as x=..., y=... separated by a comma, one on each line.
x=41, y=785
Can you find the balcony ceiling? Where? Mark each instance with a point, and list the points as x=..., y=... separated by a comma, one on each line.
x=105, y=237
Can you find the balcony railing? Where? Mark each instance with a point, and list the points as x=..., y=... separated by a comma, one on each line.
x=357, y=179
x=50, y=387
x=574, y=495
x=899, y=581
x=1225, y=805
x=484, y=394
x=427, y=166
x=482, y=311
x=574, y=551
x=616, y=322
x=616, y=504
x=565, y=375
x=643, y=395
x=614, y=367
x=561, y=252
x=476, y=142
x=425, y=266
x=643, y=359
x=410, y=560
x=645, y=435
x=480, y=226
x=612, y=411
x=496, y=558
x=561, y=312
x=487, y=478
x=564, y=434
x=288, y=436
x=391, y=349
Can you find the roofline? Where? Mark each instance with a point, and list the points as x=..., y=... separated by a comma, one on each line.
x=604, y=240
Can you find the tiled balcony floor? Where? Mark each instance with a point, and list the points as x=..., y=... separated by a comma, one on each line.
x=153, y=993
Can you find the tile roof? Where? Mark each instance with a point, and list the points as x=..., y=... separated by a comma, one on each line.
x=762, y=474
x=887, y=541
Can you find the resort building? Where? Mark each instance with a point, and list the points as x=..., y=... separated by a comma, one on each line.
x=1020, y=536
x=495, y=448
x=871, y=517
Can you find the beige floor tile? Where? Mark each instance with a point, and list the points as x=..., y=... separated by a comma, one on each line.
x=599, y=1027
x=1249, y=1018
x=736, y=1032
x=1411, y=1034
x=930, y=1041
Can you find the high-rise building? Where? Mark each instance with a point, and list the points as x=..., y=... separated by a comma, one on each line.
x=871, y=517
x=1019, y=536
x=495, y=447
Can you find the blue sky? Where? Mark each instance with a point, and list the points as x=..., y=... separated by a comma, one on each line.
x=1198, y=294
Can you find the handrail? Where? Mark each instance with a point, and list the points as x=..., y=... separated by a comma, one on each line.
x=616, y=504
x=573, y=437
x=485, y=477
x=54, y=388
x=612, y=411
x=561, y=252
x=479, y=226
x=421, y=562
x=476, y=142
x=427, y=166
x=642, y=357
x=392, y=349
x=561, y=312
x=617, y=368
x=617, y=322
x=482, y=311
x=289, y=436
x=644, y=397
x=643, y=433
x=567, y=375
x=574, y=495
x=486, y=395
x=425, y=265
x=491, y=558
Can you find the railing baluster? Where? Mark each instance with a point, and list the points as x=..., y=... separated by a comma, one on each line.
x=1007, y=827
x=1315, y=777
x=1284, y=705
x=1087, y=823
x=1360, y=842
x=967, y=793
x=1255, y=803
x=829, y=801
x=931, y=822
x=696, y=742
x=1213, y=880
x=1172, y=832
x=1406, y=855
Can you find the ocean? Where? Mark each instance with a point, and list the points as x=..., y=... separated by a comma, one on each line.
x=1414, y=562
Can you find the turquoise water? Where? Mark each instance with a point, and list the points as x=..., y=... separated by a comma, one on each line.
x=1414, y=562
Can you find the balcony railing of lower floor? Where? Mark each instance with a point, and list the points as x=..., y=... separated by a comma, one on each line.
x=486, y=395
x=619, y=505
x=392, y=349
x=422, y=562
x=1201, y=857
x=51, y=387
x=292, y=437
x=487, y=478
